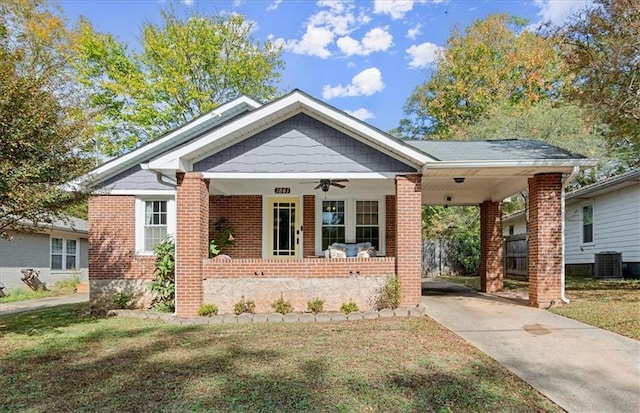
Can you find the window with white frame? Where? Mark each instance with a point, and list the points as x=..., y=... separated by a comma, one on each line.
x=64, y=254
x=350, y=221
x=587, y=224
x=155, y=219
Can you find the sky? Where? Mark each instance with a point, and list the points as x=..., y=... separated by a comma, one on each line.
x=362, y=56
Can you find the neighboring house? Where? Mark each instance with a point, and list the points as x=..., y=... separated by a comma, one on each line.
x=58, y=251
x=602, y=227
x=288, y=179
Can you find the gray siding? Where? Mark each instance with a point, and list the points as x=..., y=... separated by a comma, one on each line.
x=133, y=178
x=32, y=251
x=300, y=144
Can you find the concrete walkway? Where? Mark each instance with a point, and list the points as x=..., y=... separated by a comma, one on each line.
x=39, y=303
x=580, y=367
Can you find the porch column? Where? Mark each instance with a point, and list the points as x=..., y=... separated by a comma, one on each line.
x=545, y=239
x=409, y=238
x=192, y=238
x=491, y=258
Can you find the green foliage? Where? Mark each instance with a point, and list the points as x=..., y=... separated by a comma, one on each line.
x=42, y=132
x=122, y=300
x=349, y=307
x=184, y=67
x=68, y=284
x=281, y=306
x=213, y=249
x=164, y=284
x=389, y=293
x=223, y=234
x=315, y=305
x=244, y=306
x=208, y=310
x=493, y=62
x=600, y=44
x=20, y=294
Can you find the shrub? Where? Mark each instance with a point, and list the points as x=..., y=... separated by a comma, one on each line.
x=315, y=305
x=164, y=284
x=389, y=293
x=349, y=307
x=244, y=306
x=208, y=310
x=122, y=300
x=68, y=284
x=281, y=306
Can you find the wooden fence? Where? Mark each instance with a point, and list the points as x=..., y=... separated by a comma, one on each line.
x=515, y=256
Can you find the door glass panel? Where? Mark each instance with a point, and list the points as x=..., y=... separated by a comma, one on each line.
x=284, y=229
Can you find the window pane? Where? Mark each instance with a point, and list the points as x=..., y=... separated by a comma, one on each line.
x=56, y=262
x=332, y=212
x=71, y=262
x=71, y=247
x=56, y=245
x=368, y=234
x=331, y=235
x=587, y=233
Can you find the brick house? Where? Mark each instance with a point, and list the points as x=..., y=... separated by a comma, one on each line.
x=289, y=178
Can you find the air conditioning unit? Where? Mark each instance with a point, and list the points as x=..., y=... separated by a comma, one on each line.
x=608, y=264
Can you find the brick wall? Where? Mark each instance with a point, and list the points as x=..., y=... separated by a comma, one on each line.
x=491, y=254
x=545, y=239
x=390, y=226
x=112, y=240
x=244, y=214
x=192, y=239
x=409, y=237
x=309, y=225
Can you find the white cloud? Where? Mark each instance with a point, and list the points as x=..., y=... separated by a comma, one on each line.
x=187, y=2
x=274, y=5
x=422, y=55
x=362, y=114
x=556, y=11
x=365, y=83
x=394, y=8
x=375, y=40
x=314, y=42
x=414, y=32
x=351, y=64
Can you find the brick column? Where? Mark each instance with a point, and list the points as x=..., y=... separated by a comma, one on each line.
x=545, y=239
x=192, y=238
x=491, y=258
x=409, y=237
x=309, y=226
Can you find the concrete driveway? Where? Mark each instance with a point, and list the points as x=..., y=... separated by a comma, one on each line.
x=580, y=367
x=39, y=303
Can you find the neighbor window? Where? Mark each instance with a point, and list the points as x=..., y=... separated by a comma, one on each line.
x=587, y=223
x=155, y=223
x=333, y=223
x=367, y=227
x=64, y=254
x=510, y=229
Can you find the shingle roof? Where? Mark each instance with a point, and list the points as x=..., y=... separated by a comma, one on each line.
x=492, y=150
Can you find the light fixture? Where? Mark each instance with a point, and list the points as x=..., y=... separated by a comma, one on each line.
x=458, y=179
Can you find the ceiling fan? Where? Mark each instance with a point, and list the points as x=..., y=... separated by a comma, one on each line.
x=325, y=184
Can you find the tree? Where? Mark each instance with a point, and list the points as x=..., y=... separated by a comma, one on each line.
x=41, y=131
x=489, y=64
x=186, y=67
x=602, y=49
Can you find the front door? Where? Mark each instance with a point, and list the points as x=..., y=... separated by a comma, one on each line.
x=284, y=227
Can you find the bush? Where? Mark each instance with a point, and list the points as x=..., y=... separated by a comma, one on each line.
x=208, y=310
x=349, y=307
x=164, y=284
x=244, y=306
x=315, y=305
x=122, y=300
x=389, y=293
x=281, y=306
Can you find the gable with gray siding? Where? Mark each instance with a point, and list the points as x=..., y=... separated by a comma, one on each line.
x=132, y=179
x=297, y=145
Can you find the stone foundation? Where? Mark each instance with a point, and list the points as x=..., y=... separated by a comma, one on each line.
x=103, y=292
x=225, y=292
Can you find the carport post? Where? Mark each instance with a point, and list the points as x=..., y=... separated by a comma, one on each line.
x=491, y=245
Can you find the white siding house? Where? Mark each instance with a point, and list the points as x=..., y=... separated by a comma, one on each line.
x=602, y=220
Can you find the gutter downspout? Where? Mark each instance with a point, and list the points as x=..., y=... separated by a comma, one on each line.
x=159, y=177
x=565, y=183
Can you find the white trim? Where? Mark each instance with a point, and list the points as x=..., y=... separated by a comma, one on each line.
x=64, y=254
x=139, y=220
x=141, y=192
x=350, y=220
x=266, y=215
x=129, y=159
x=299, y=175
x=272, y=113
x=585, y=163
x=583, y=205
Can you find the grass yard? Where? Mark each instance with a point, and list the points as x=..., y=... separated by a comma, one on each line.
x=609, y=304
x=62, y=287
x=61, y=360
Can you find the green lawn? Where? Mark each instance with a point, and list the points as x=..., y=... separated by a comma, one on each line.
x=62, y=287
x=612, y=305
x=61, y=360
